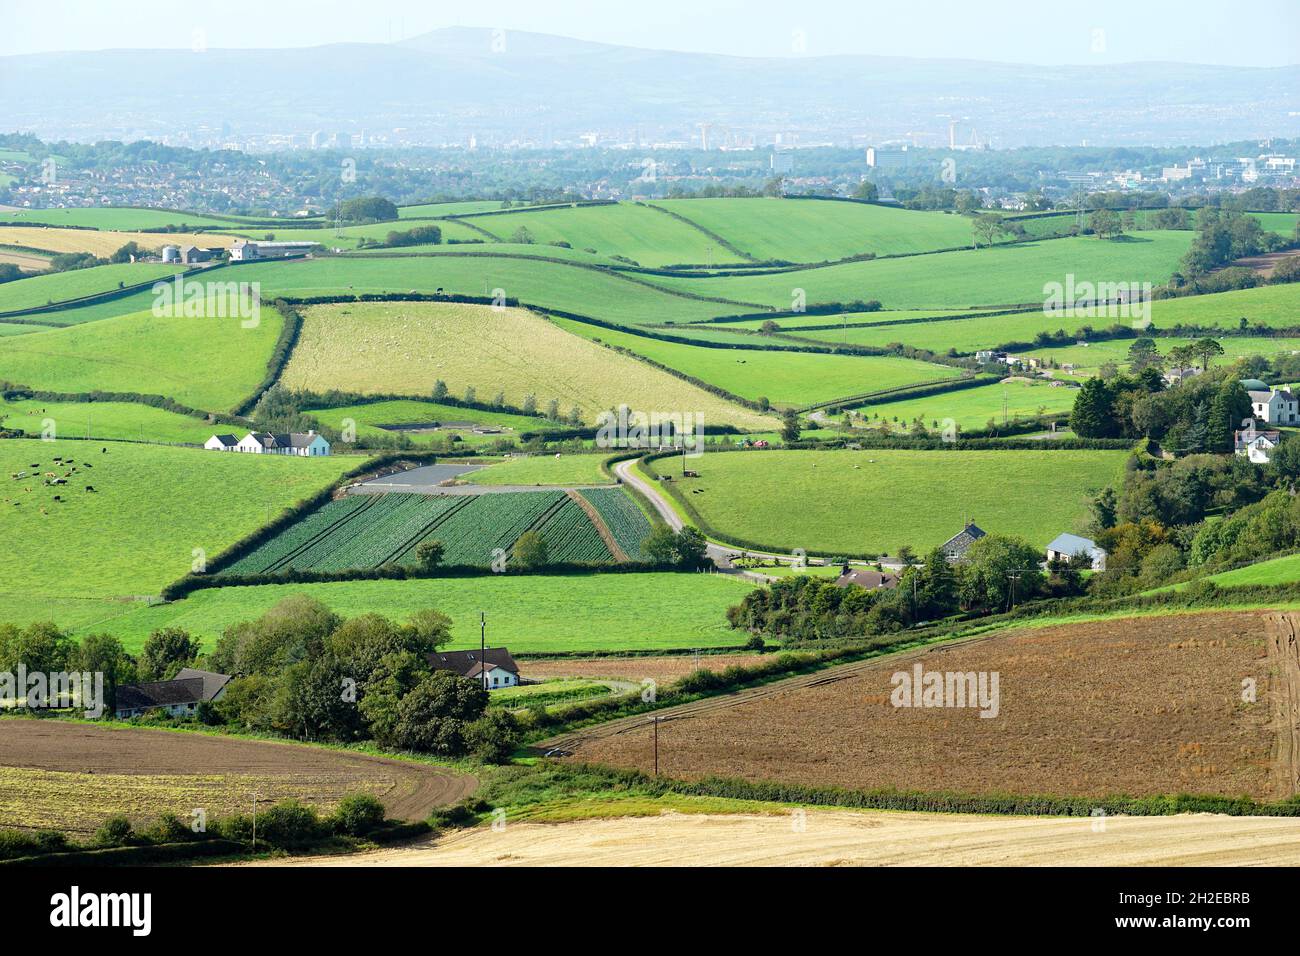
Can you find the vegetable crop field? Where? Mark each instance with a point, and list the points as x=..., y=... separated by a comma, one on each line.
x=875, y=501
x=369, y=531
x=625, y=520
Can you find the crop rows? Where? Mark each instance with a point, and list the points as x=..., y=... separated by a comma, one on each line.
x=493, y=521
x=626, y=521
x=570, y=536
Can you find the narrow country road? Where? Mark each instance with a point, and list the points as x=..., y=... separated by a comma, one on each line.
x=720, y=555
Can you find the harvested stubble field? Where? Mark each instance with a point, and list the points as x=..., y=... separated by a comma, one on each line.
x=103, y=244
x=1148, y=706
x=405, y=347
x=71, y=776
x=847, y=838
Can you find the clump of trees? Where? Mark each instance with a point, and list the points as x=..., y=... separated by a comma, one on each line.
x=301, y=671
x=365, y=209
x=996, y=571
x=1197, y=416
x=419, y=236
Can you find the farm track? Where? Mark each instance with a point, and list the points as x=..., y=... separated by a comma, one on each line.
x=707, y=705
x=602, y=529
x=1284, y=657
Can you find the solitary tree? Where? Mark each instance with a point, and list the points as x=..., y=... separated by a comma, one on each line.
x=429, y=554
x=790, y=426
x=1205, y=349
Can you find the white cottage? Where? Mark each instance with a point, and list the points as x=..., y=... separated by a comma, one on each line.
x=493, y=667
x=1256, y=446
x=291, y=443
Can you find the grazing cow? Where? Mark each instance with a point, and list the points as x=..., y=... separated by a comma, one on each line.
x=90, y=487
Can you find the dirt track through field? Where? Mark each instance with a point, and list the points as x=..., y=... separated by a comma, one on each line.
x=186, y=761
x=844, y=838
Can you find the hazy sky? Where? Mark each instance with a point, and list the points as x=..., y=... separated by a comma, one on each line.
x=1256, y=33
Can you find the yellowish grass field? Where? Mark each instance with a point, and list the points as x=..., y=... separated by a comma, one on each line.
x=102, y=243
x=405, y=347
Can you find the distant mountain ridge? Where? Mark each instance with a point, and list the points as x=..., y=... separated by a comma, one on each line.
x=502, y=86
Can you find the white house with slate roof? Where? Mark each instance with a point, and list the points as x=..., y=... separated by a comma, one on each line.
x=954, y=549
x=265, y=443
x=494, y=667
x=1276, y=406
x=1066, y=546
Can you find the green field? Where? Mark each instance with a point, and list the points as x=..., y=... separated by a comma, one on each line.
x=878, y=500
x=120, y=218
x=348, y=237
x=795, y=324
x=973, y=408
x=1002, y=275
x=527, y=613
x=634, y=231
x=126, y=421
x=543, y=469
x=151, y=507
x=406, y=347
x=39, y=290
x=437, y=209
x=1284, y=570
x=1086, y=359
x=208, y=363
x=573, y=288
x=802, y=230
x=483, y=248
x=369, y=417
x=784, y=378
x=1276, y=306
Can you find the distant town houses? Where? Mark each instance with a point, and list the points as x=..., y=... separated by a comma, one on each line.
x=1256, y=446
x=304, y=444
x=1066, y=547
x=494, y=668
x=180, y=696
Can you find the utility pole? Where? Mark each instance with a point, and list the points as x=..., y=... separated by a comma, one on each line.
x=254, y=821
x=482, y=647
x=655, y=721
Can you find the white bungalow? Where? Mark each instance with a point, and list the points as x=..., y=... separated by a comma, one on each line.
x=222, y=443
x=291, y=443
x=1064, y=547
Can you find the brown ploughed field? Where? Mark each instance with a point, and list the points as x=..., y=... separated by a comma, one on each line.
x=1138, y=706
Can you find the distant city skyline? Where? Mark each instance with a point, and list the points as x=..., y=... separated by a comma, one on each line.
x=1266, y=33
